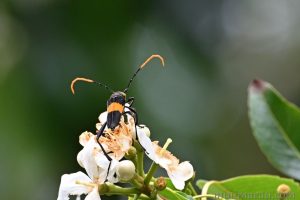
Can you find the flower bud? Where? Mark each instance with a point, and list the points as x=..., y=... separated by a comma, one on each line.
x=125, y=170
x=131, y=153
x=160, y=183
x=283, y=190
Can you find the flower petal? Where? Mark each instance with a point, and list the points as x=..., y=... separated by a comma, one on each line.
x=103, y=117
x=103, y=164
x=112, y=176
x=80, y=158
x=86, y=158
x=126, y=105
x=68, y=185
x=183, y=172
x=85, y=137
x=93, y=195
x=146, y=143
x=98, y=126
x=145, y=129
x=179, y=184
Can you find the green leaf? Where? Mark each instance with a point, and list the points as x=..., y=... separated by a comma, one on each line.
x=172, y=193
x=200, y=183
x=169, y=193
x=170, y=184
x=276, y=127
x=254, y=187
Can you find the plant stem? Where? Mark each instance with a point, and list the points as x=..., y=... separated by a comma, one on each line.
x=150, y=173
x=117, y=190
x=135, y=161
x=140, y=163
x=136, y=196
x=139, y=158
x=142, y=197
x=135, y=182
x=191, y=187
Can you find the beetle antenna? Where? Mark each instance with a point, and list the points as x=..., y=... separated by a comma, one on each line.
x=89, y=81
x=143, y=65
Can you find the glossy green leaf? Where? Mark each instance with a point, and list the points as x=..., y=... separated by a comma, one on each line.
x=201, y=183
x=186, y=196
x=169, y=193
x=254, y=187
x=170, y=184
x=276, y=127
x=172, y=193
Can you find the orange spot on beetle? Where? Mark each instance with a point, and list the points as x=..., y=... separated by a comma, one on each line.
x=115, y=107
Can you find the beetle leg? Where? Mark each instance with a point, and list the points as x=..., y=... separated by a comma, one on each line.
x=99, y=134
x=134, y=114
x=125, y=116
x=130, y=101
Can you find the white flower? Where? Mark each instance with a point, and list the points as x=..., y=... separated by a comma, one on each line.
x=93, y=160
x=120, y=139
x=178, y=172
x=86, y=157
x=77, y=184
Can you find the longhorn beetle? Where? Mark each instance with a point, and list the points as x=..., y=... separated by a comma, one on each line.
x=116, y=104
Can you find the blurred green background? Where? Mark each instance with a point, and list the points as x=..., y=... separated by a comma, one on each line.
x=212, y=49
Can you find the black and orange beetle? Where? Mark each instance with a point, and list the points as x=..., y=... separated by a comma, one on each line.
x=116, y=103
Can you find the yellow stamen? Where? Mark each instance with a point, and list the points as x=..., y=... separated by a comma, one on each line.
x=168, y=142
x=88, y=184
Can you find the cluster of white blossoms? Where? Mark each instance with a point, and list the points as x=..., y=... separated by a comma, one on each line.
x=118, y=144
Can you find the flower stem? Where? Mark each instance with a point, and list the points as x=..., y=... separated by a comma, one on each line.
x=135, y=182
x=139, y=158
x=140, y=163
x=117, y=190
x=142, y=197
x=191, y=187
x=134, y=160
x=150, y=173
x=136, y=196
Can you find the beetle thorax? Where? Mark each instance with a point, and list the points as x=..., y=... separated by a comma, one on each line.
x=115, y=109
x=116, y=102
